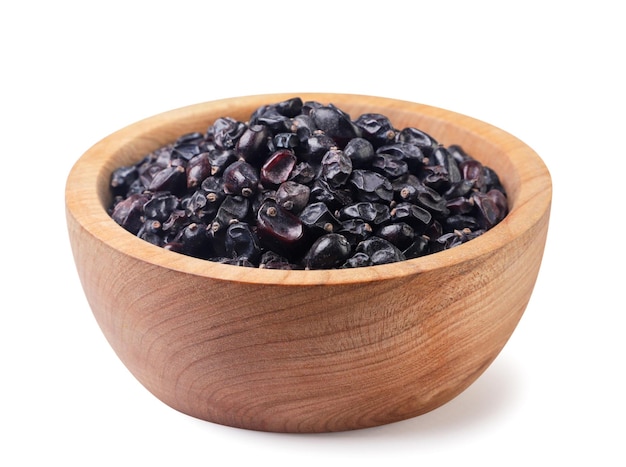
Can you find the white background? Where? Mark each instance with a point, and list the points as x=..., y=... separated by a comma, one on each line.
x=551, y=73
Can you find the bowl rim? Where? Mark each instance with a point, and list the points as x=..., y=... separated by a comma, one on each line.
x=84, y=205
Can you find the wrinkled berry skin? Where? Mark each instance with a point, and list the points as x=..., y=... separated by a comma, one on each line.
x=336, y=167
x=302, y=185
x=335, y=123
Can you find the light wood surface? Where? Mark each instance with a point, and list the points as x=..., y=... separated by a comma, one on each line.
x=308, y=351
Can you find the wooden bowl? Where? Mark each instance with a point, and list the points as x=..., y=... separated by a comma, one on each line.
x=308, y=351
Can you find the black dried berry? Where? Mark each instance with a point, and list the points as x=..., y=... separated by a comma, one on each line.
x=380, y=251
x=372, y=213
x=371, y=186
x=198, y=169
x=317, y=218
x=277, y=168
x=252, y=146
x=226, y=131
x=416, y=216
x=129, y=212
x=336, y=167
x=278, y=229
x=376, y=128
x=335, y=123
x=233, y=209
x=241, y=178
x=360, y=151
x=400, y=234
x=161, y=206
x=171, y=178
x=293, y=196
x=327, y=252
x=241, y=242
x=122, y=178
x=194, y=240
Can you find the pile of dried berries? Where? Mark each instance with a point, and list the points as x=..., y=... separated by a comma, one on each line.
x=303, y=186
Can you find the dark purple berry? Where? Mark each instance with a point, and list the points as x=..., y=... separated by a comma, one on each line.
x=252, y=145
x=278, y=229
x=380, y=251
x=355, y=230
x=171, y=178
x=431, y=200
x=226, y=131
x=371, y=186
x=459, y=189
x=272, y=260
x=458, y=153
x=194, y=240
x=233, y=209
x=313, y=149
x=335, y=123
x=289, y=107
x=327, y=252
x=336, y=167
x=446, y=241
x=277, y=168
x=220, y=159
x=122, y=178
x=161, y=206
x=372, y=213
x=417, y=217
x=185, y=152
x=334, y=198
x=198, y=169
x=389, y=165
x=360, y=151
x=293, y=196
x=492, y=181
x=472, y=170
x=286, y=141
x=406, y=187
x=443, y=158
x=411, y=154
x=303, y=126
x=240, y=178
x=436, y=177
x=499, y=198
x=317, y=218
x=376, y=128
x=198, y=208
x=419, y=247
x=358, y=260
x=400, y=234
x=423, y=140
x=303, y=173
x=272, y=118
x=151, y=232
x=241, y=242
x=488, y=214
x=190, y=138
x=129, y=212
x=460, y=205
x=174, y=224
x=241, y=262
x=461, y=221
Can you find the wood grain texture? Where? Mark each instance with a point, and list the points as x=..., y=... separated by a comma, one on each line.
x=308, y=351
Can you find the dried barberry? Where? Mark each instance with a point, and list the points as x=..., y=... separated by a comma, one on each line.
x=301, y=185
